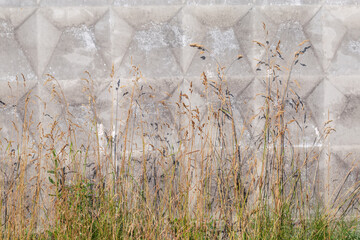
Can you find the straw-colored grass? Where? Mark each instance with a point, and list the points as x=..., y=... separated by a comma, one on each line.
x=200, y=174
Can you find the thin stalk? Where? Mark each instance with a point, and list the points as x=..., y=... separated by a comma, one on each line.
x=115, y=162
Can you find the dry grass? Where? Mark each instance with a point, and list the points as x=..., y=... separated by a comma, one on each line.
x=170, y=168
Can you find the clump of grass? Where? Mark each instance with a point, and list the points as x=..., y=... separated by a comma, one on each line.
x=170, y=168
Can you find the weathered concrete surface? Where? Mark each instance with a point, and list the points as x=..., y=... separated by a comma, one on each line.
x=64, y=38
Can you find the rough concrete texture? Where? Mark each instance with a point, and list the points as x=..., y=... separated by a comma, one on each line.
x=65, y=38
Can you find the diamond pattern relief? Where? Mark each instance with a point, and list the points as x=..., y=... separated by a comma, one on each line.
x=339, y=107
x=13, y=58
x=188, y=30
x=48, y=37
x=222, y=38
x=305, y=131
x=66, y=38
x=221, y=16
x=81, y=55
x=343, y=23
x=76, y=109
x=343, y=161
x=347, y=129
x=347, y=56
x=102, y=33
x=20, y=105
x=346, y=84
x=151, y=43
x=334, y=31
x=240, y=92
x=16, y=16
x=28, y=39
x=245, y=35
x=77, y=49
x=242, y=100
x=8, y=132
x=310, y=118
x=313, y=31
x=67, y=17
x=152, y=111
x=324, y=99
x=291, y=26
x=137, y=17
x=121, y=37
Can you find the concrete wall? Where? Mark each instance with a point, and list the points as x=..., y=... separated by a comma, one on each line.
x=66, y=38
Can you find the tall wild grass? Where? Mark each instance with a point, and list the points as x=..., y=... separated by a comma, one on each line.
x=180, y=165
